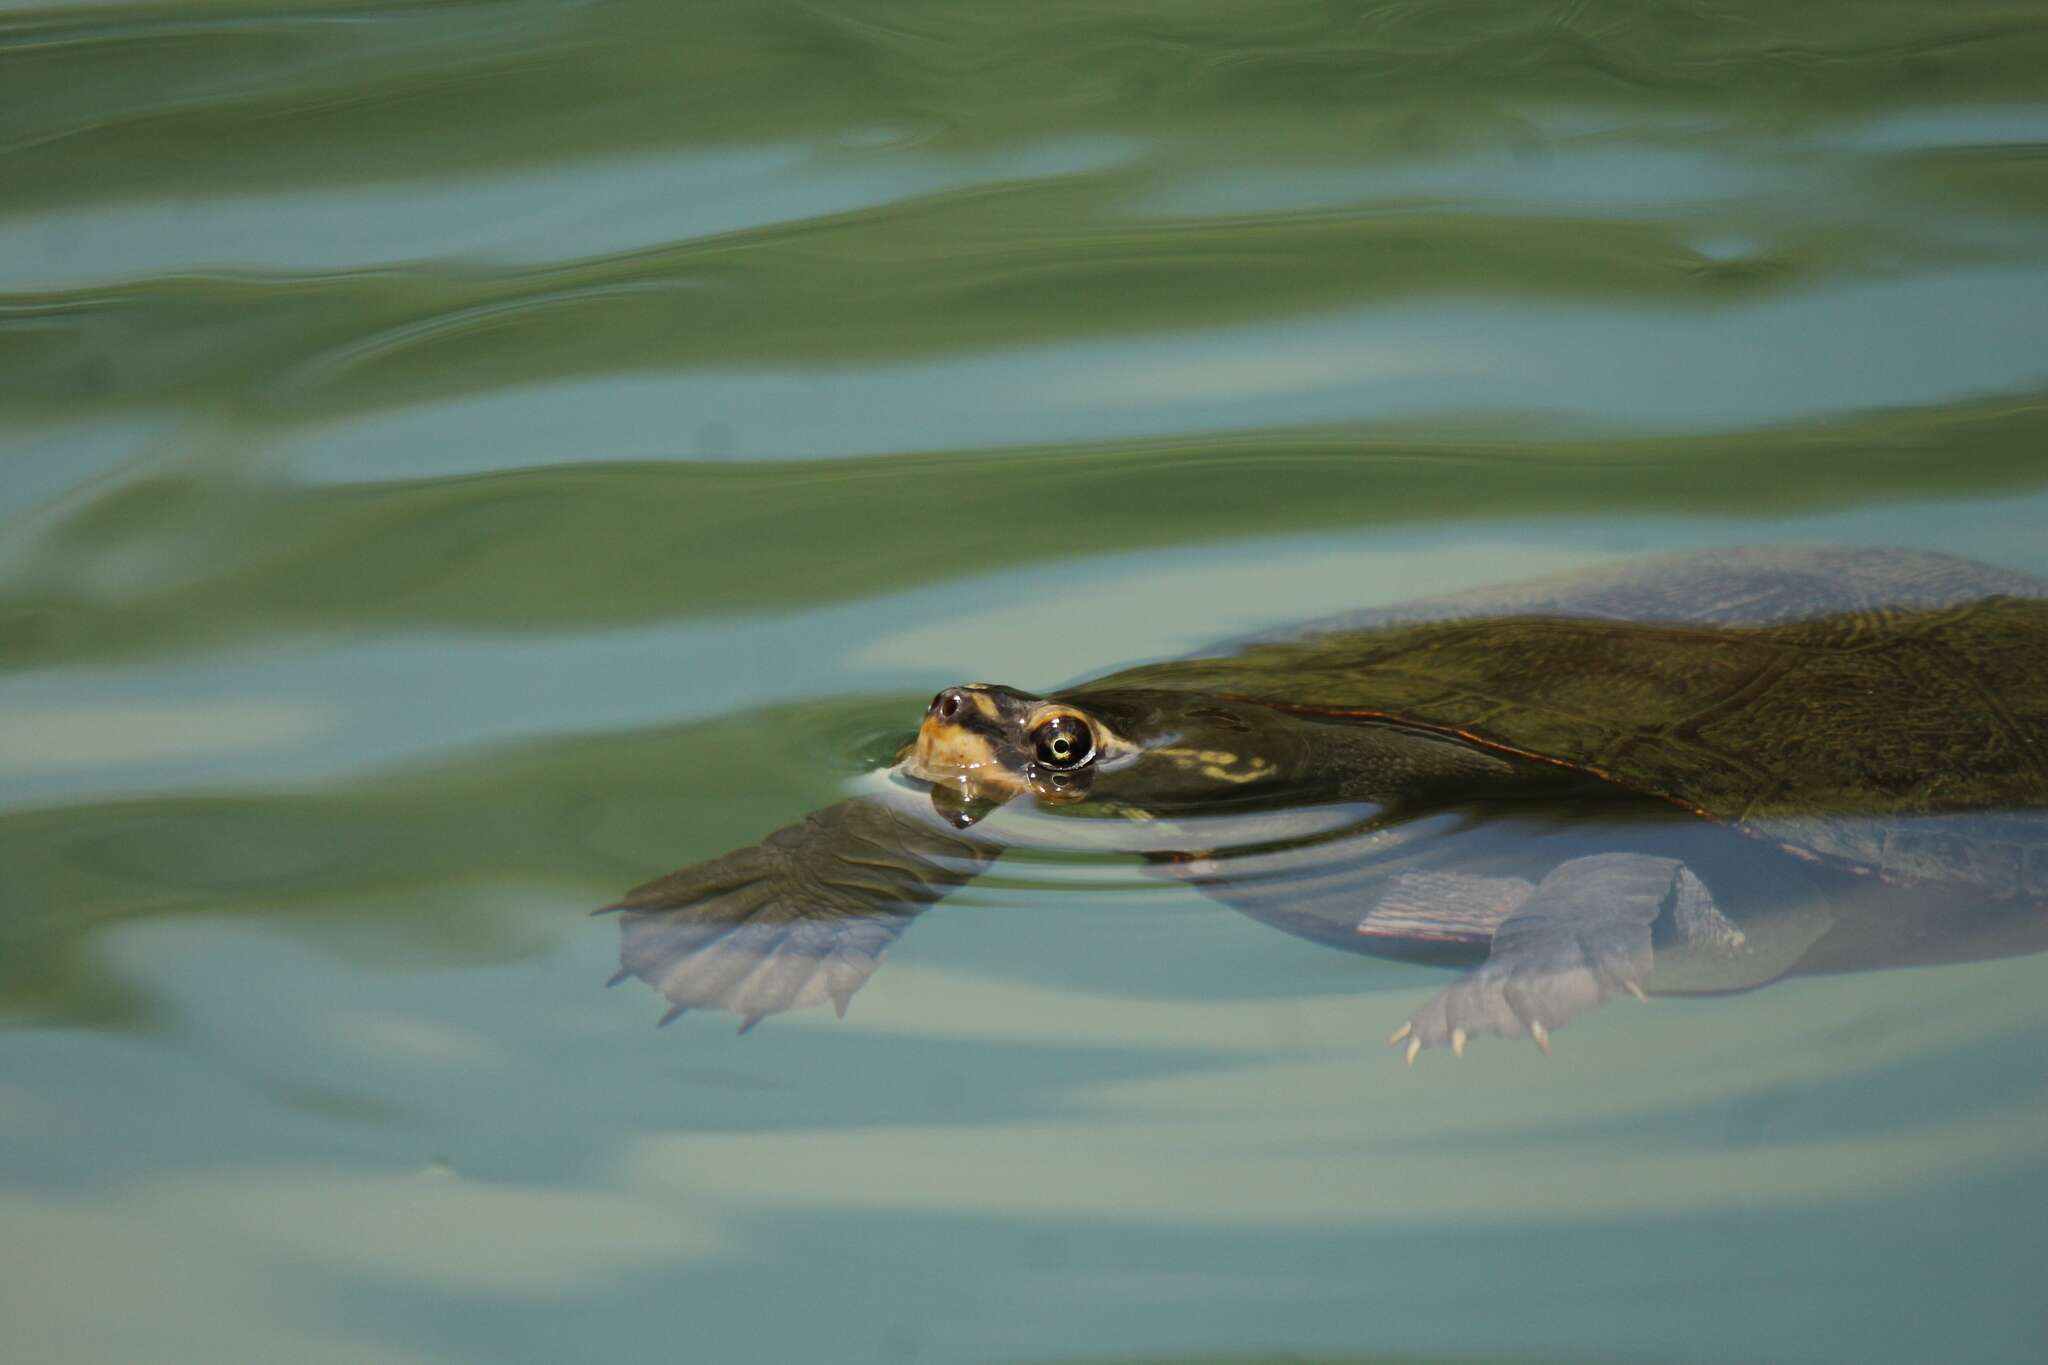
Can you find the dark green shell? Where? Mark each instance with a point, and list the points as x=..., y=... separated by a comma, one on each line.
x=1883, y=709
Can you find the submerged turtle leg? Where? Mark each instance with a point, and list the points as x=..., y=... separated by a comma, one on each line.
x=800, y=918
x=1581, y=938
x=1443, y=907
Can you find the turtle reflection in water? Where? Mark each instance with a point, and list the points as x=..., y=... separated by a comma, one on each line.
x=1692, y=773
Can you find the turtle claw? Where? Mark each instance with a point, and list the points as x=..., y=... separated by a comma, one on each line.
x=1491, y=1002
x=1581, y=939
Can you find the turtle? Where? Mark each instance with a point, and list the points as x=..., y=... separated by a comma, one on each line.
x=1698, y=772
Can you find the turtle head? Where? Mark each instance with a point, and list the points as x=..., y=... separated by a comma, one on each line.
x=1123, y=752
x=988, y=744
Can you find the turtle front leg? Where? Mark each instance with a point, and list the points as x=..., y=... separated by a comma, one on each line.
x=803, y=917
x=1581, y=938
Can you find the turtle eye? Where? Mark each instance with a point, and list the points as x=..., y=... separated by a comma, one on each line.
x=1063, y=742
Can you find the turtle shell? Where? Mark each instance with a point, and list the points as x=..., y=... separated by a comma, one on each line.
x=1883, y=710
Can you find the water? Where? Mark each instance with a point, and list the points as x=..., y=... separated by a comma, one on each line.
x=458, y=461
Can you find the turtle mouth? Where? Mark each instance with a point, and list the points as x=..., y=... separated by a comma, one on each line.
x=964, y=755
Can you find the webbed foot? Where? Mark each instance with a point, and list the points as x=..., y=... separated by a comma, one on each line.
x=802, y=918
x=1580, y=939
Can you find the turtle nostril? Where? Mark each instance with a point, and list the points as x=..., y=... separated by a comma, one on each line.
x=949, y=705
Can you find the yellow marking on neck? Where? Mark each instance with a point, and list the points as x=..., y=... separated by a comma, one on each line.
x=1258, y=768
x=1218, y=765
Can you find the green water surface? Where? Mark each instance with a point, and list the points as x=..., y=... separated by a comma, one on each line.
x=458, y=460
